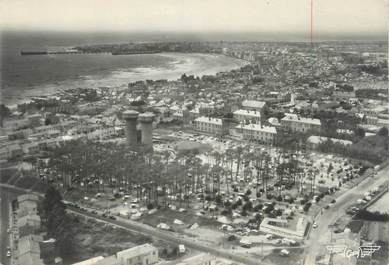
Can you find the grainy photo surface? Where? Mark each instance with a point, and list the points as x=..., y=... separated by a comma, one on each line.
x=194, y=132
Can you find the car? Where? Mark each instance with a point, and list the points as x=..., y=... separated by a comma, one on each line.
x=314, y=225
x=112, y=217
x=8, y=254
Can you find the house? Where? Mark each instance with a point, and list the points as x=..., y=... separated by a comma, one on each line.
x=295, y=123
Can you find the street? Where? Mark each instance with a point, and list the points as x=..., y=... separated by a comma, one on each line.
x=170, y=237
x=147, y=230
x=321, y=236
x=5, y=199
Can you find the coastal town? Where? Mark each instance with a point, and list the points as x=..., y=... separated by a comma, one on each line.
x=282, y=161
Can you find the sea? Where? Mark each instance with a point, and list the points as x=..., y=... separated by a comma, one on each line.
x=23, y=77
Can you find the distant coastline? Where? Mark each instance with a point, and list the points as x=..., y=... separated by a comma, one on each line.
x=172, y=67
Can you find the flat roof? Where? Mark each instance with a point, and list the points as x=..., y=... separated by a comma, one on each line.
x=136, y=251
x=90, y=261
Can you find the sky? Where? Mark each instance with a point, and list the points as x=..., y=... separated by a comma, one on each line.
x=329, y=16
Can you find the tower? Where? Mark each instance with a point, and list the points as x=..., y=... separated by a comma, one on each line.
x=131, y=116
x=146, y=125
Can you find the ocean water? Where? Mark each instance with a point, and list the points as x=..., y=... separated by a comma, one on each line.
x=26, y=76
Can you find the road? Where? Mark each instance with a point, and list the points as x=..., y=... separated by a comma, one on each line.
x=170, y=237
x=5, y=199
x=321, y=236
x=161, y=234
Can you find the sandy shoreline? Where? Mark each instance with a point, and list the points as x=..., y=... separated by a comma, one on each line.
x=193, y=63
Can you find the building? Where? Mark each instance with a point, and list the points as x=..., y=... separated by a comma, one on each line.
x=383, y=123
x=259, y=106
x=103, y=133
x=281, y=227
x=140, y=255
x=210, y=125
x=343, y=95
x=10, y=151
x=146, y=125
x=30, y=220
x=206, y=259
x=243, y=115
x=91, y=261
x=30, y=148
x=258, y=133
x=295, y=123
x=314, y=141
x=28, y=252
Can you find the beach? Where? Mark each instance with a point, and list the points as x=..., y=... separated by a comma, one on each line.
x=125, y=69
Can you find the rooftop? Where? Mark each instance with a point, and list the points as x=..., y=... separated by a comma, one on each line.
x=296, y=118
x=209, y=120
x=258, y=127
x=244, y=112
x=253, y=104
x=136, y=251
x=319, y=139
x=91, y=261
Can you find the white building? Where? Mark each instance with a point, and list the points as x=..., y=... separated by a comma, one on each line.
x=206, y=259
x=209, y=125
x=257, y=132
x=281, y=228
x=254, y=105
x=243, y=115
x=314, y=141
x=296, y=123
x=140, y=255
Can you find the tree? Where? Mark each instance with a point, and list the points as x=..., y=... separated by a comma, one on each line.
x=360, y=132
x=58, y=223
x=383, y=132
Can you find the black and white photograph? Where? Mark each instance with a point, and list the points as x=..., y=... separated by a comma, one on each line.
x=194, y=132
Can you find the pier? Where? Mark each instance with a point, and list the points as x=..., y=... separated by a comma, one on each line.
x=68, y=52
